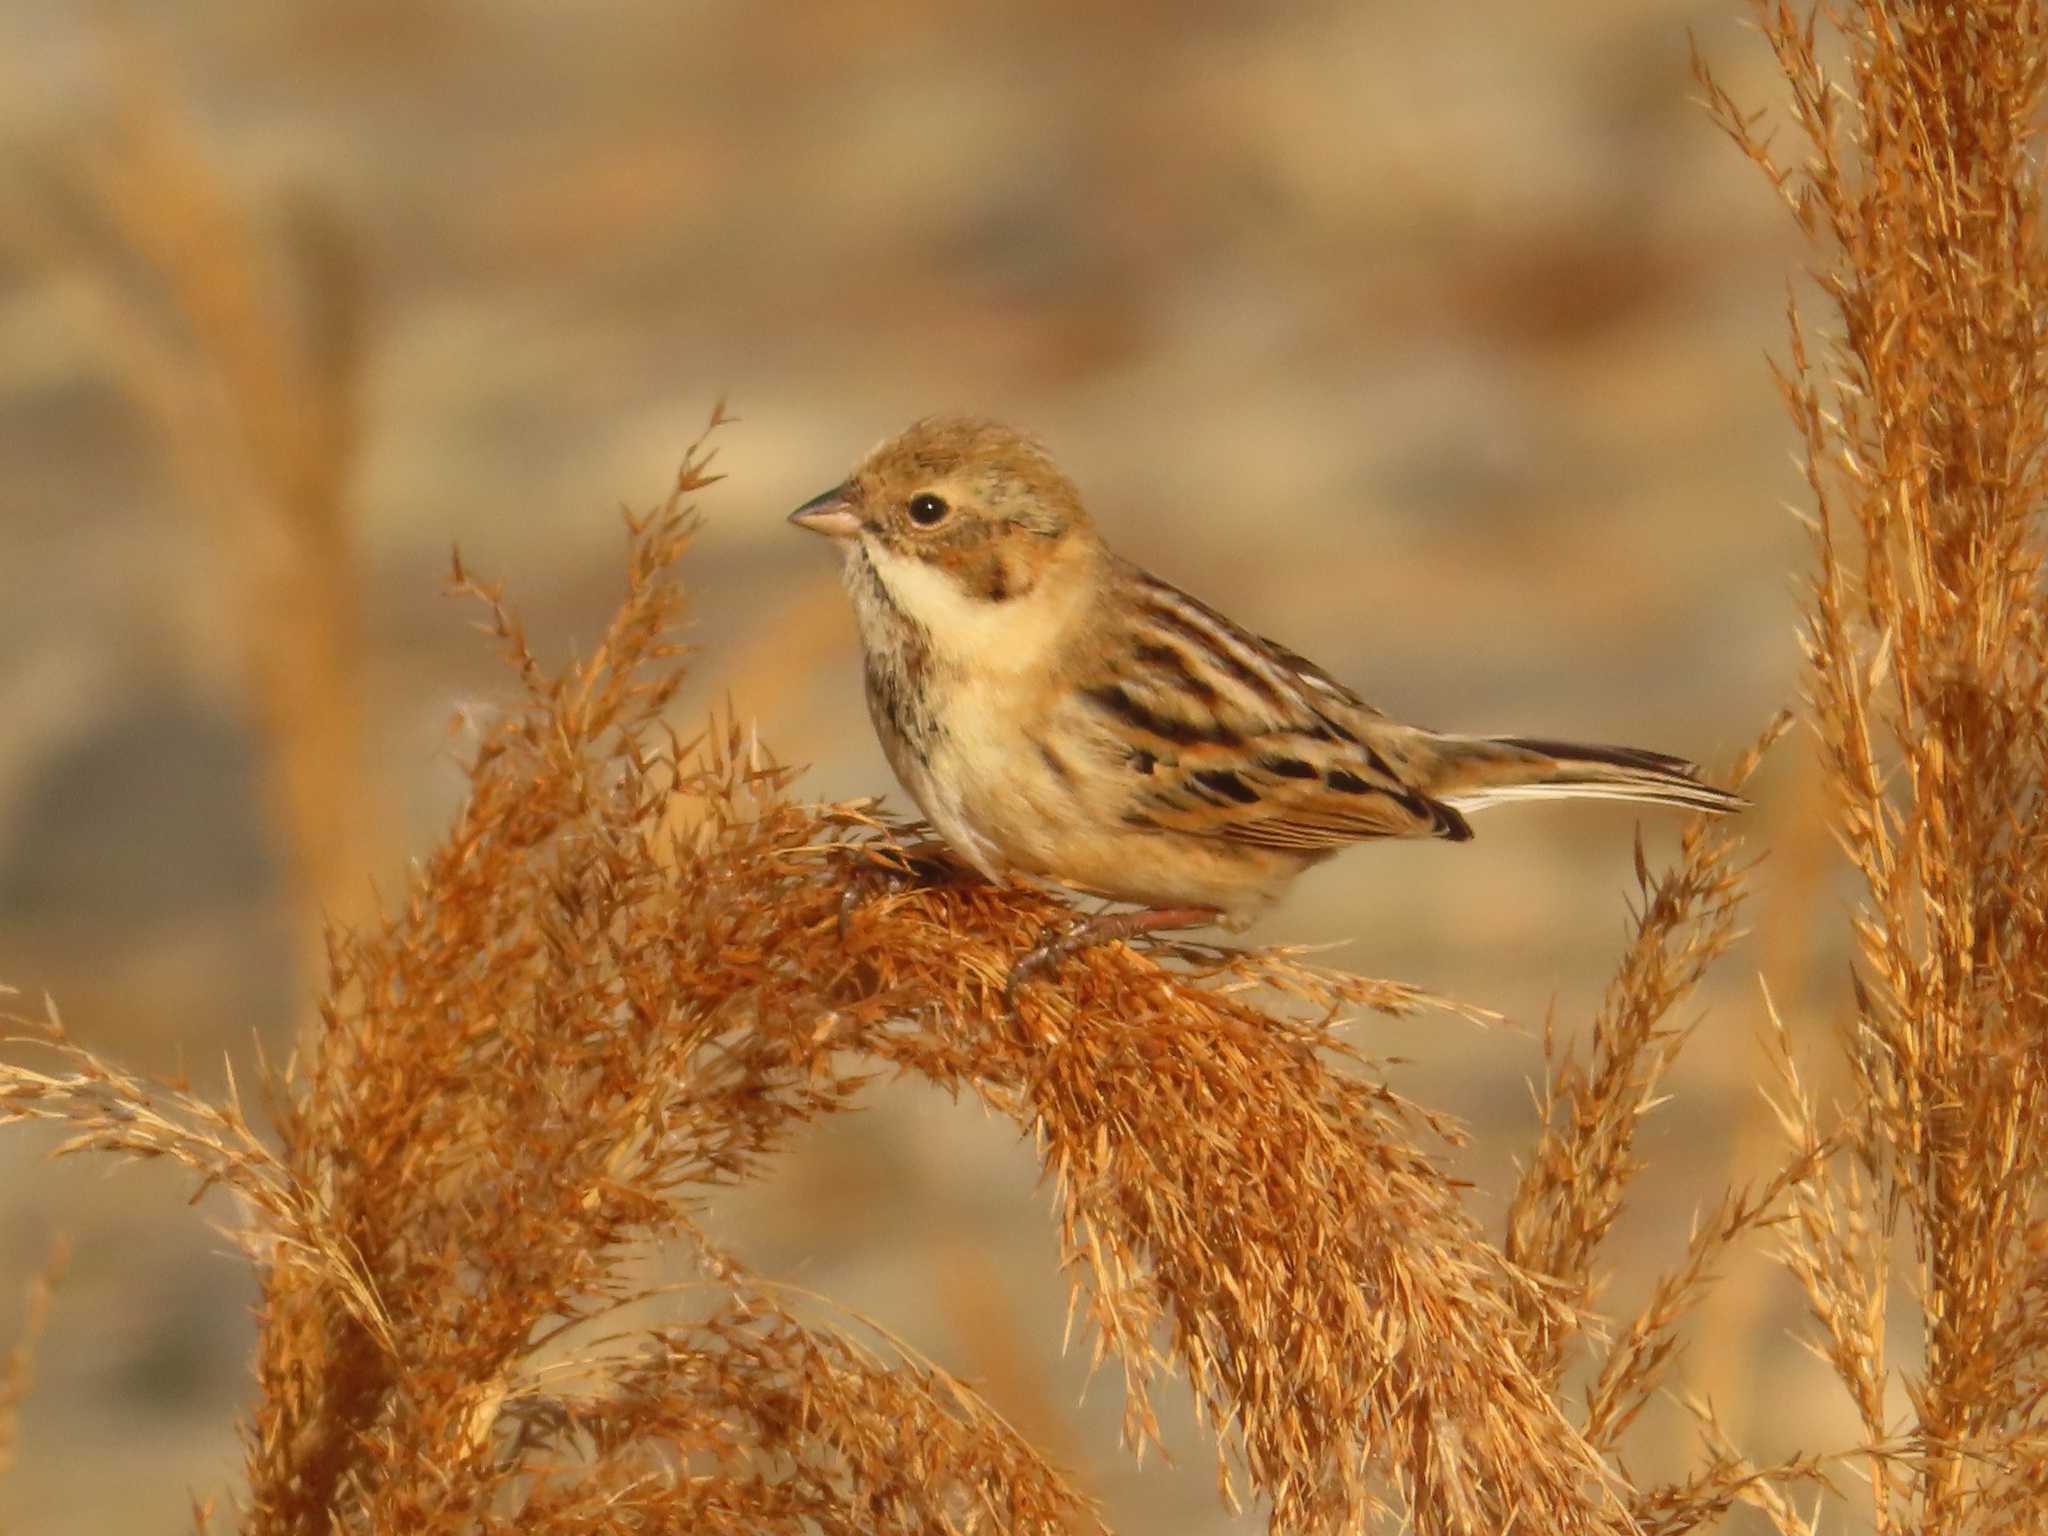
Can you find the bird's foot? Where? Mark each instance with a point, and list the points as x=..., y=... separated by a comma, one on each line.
x=888, y=869
x=1063, y=940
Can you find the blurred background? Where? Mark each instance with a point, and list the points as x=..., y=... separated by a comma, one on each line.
x=1428, y=339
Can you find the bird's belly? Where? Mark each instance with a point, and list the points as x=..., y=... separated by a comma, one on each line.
x=1173, y=869
x=990, y=795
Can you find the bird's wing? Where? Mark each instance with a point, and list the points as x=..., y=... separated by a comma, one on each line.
x=1223, y=734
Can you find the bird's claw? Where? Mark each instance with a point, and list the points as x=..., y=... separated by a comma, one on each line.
x=1045, y=957
x=1060, y=941
x=892, y=872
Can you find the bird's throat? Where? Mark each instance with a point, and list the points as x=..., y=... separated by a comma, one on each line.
x=969, y=621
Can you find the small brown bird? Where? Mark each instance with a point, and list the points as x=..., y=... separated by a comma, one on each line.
x=1057, y=712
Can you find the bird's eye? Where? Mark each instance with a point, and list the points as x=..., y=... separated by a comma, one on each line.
x=927, y=510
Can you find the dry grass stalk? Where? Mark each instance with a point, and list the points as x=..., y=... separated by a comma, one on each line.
x=242, y=350
x=589, y=1010
x=17, y=1370
x=1923, y=411
x=1574, y=1186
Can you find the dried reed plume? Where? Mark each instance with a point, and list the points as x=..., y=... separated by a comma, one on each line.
x=621, y=981
x=1923, y=411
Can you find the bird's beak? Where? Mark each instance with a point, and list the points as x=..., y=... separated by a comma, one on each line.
x=831, y=514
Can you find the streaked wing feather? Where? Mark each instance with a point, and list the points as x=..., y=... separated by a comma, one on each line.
x=1238, y=738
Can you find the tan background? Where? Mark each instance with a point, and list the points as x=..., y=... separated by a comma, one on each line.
x=1429, y=339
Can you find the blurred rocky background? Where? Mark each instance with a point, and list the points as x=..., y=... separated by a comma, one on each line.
x=1428, y=339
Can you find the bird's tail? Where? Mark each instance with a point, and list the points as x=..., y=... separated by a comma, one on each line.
x=1478, y=771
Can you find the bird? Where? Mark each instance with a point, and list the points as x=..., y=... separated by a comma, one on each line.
x=1059, y=714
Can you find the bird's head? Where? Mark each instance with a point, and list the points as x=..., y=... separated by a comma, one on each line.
x=964, y=522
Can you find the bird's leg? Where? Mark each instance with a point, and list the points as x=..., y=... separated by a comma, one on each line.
x=1056, y=944
x=899, y=868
